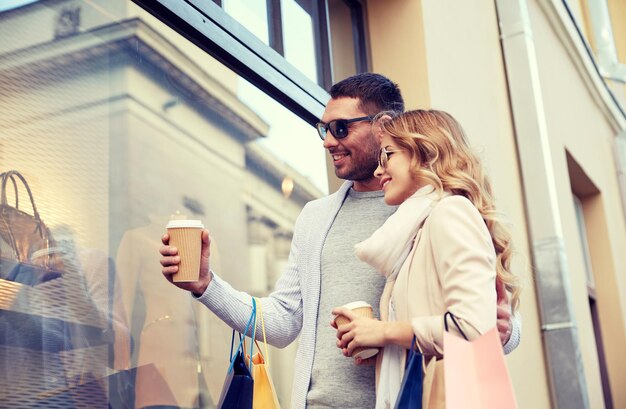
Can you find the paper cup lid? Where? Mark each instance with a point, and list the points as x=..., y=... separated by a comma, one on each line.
x=179, y=224
x=356, y=304
x=352, y=306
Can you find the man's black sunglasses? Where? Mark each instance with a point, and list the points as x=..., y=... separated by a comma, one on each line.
x=338, y=127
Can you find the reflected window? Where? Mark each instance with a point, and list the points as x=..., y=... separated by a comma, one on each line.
x=347, y=40
x=298, y=31
x=252, y=14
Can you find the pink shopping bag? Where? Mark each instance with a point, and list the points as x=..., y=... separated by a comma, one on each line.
x=476, y=376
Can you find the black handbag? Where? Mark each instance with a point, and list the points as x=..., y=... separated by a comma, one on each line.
x=25, y=241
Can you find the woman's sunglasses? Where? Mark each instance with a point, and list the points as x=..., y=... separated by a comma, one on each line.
x=338, y=127
x=384, y=156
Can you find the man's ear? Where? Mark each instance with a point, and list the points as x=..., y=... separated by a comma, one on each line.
x=376, y=127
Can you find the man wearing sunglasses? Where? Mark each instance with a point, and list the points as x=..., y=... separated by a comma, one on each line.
x=322, y=271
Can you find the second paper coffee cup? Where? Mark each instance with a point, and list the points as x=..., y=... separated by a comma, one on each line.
x=186, y=235
x=365, y=310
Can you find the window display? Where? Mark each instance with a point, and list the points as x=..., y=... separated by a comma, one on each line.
x=110, y=123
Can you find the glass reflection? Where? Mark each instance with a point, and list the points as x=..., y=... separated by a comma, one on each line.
x=252, y=14
x=116, y=123
x=341, y=38
x=298, y=36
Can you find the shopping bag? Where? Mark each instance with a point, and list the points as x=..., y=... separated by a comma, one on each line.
x=238, y=386
x=410, y=396
x=433, y=390
x=264, y=391
x=237, y=392
x=475, y=373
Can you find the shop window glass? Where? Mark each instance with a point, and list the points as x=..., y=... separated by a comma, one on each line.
x=306, y=155
x=116, y=123
x=320, y=39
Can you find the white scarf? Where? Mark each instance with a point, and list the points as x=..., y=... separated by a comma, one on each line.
x=388, y=247
x=386, y=250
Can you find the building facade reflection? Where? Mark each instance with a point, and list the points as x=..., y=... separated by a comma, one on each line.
x=117, y=123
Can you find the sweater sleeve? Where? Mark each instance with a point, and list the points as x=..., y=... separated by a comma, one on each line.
x=464, y=261
x=516, y=333
x=282, y=309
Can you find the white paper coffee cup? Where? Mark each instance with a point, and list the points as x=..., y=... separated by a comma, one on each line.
x=363, y=309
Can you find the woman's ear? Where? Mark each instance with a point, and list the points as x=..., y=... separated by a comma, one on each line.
x=377, y=126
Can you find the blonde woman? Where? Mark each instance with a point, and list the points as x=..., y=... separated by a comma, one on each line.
x=443, y=250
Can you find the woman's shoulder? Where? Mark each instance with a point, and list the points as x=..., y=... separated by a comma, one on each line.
x=454, y=206
x=455, y=223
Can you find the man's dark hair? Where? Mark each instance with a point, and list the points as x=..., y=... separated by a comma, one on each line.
x=376, y=92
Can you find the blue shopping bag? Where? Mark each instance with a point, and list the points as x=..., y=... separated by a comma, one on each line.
x=410, y=396
x=237, y=392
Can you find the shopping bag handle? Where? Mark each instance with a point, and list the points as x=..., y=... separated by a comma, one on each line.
x=241, y=339
x=445, y=322
x=253, y=337
x=266, y=358
x=232, y=341
x=415, y=348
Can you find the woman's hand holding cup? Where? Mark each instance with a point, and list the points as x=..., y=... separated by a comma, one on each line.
x=358, y=332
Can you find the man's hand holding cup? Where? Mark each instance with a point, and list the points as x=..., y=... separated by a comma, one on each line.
x=185, y=255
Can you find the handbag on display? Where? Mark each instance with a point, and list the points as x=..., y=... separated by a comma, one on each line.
x=237, y=392
x=476, y=376
x=25, y=241
x=410, y=395
x=264, y=396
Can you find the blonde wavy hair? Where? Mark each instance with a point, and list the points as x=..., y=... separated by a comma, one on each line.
x=441, y=157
